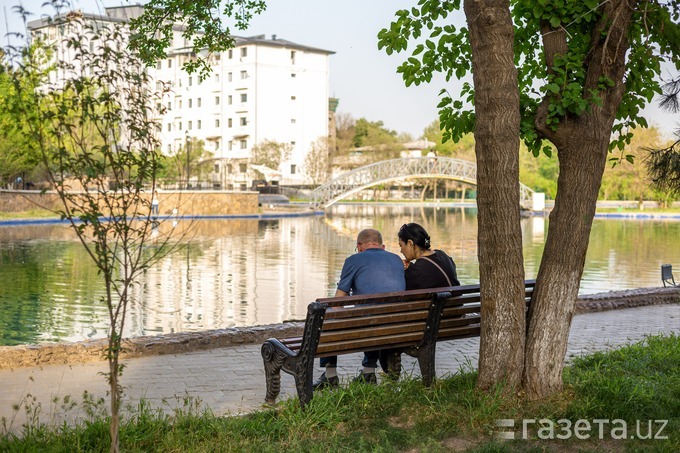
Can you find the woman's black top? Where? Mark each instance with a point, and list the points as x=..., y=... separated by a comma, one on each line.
x=424, y=274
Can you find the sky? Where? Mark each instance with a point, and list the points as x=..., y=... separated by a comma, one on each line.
x=363, y=78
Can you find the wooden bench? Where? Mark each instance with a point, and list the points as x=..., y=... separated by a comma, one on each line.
x=412, y=320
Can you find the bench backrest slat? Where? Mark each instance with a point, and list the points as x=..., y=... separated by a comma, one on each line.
x=351, y=311
x=391, y=318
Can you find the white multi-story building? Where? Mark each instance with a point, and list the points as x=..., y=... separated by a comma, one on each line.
x=263, y=89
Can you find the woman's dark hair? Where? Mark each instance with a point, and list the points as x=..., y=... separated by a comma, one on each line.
x=415, y=233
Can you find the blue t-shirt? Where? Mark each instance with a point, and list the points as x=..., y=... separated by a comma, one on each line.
x=372, y=271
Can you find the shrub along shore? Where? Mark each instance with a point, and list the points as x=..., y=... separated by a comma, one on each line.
x=621, y=400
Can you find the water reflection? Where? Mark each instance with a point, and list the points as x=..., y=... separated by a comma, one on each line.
x=247, y=272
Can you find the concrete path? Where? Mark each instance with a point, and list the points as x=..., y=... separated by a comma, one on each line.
x=231, y=380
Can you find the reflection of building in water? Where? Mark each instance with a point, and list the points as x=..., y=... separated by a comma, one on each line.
x=265, y=273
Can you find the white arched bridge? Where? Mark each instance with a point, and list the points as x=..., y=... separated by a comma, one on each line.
x=392, y=170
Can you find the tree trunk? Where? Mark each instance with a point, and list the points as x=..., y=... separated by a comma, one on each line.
x=581, y=167
x=114, y=426
x=501, y=269
x=582, y=147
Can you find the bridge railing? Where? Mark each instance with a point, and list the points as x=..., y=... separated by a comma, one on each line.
x=399, y=169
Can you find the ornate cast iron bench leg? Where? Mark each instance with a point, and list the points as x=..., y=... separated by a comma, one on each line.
x=273, y=361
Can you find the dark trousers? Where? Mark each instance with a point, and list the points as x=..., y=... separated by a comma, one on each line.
x=370, y=360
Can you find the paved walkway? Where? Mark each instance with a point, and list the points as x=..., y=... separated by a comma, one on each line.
x=231, y=380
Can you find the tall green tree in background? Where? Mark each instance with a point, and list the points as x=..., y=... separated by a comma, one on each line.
x=190, y=161
x=383, y=143
x=270, y=153
x=18, y=156
x=584, y=70
x=461, y=149
x=631, y=181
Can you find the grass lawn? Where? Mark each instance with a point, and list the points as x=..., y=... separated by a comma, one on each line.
x=624, y=400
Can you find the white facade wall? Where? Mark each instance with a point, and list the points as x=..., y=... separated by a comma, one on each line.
x=260, y=90
x=263, y=89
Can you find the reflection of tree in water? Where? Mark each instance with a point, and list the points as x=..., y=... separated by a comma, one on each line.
x=46, y=291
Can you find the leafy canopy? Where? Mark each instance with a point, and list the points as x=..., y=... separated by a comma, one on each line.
x=441, y=47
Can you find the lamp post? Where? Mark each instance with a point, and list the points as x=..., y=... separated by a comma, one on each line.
x=188, y=151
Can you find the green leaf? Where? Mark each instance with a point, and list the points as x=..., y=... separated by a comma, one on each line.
x=553, y=88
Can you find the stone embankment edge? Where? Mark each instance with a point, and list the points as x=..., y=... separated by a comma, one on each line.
x=94, y=350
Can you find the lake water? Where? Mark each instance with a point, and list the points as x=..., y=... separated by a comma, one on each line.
x=241, y=272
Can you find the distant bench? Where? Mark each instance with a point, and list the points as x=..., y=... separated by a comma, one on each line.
x=412, y=320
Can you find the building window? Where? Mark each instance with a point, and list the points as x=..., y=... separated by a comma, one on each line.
x=180, y=83
x=216, y=168
x=229, y=122
x=292, y=143
x=244, y=121
x=229, y=99
x=244, y=97
x=191, y=103
x=217, y=78
x=293, y=167
x=292, y=57
x=292, y=121
x=217, y=145
x=217, y=123
x=230, y=147
x=198, y=102
x=229, y=77
x=244, y=75
x=179, y=126
x=293, y=98
x=244, y=52
x=169, y=149
x=190, y=124
x=169, y=63
x=169, y=127
x=190, y=81
x=242, y=168
x=231, y=53
x=198, y=124
x=293, y=75
x=169, y=105
x=244, y=144
x=217, y=100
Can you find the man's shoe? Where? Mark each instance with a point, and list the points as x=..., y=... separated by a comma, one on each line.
x=326, y=382
x=366, y=378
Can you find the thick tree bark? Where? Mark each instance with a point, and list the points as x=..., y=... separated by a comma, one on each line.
x=582, y=148
x=497, y=148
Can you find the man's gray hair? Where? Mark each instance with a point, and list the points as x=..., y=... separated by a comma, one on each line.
x=370, y=235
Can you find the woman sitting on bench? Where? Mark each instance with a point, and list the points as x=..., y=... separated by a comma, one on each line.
x=423, y=268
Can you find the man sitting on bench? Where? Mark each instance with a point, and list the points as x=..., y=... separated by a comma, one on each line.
x=372, y=270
